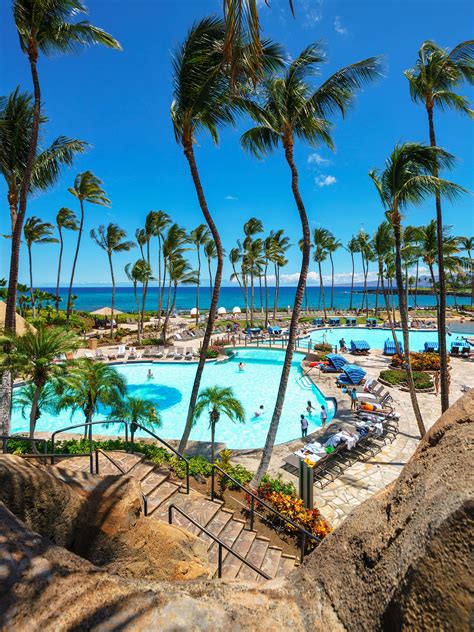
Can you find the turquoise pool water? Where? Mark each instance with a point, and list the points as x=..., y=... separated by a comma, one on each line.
x=376, y=337
x=170, y=387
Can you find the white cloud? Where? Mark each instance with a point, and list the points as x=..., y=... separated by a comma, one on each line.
x=325, y=181
x=312, y=11
x=338, y=26
x=231, y=197
x=317, y=159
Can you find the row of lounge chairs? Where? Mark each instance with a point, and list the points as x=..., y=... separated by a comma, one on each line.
x=350, y=321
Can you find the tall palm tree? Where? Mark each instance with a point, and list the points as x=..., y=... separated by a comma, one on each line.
x=36, y=232
x=65, y=220
x=112, y=240
x=218, y=400
x=467, y=244
x=87, y=385
x=210, y=252
x=270, y=248
x=434, y=81
x=281, y=244
x=139, y=272
x=382, y=244
x=180, y=273
x=141, y=237
x=160, y=220
x=408, y=179
x=203, y=101
x=352, y=248
x=32, y=355
x=235, y=257
x=49, y=28
x=334, y=244
x=174, y=245
x=199, y=237
x=254, y=263
x=366, y=256
x=291, y=108
x=252, y=227
x=321, y=242
x=87, y=188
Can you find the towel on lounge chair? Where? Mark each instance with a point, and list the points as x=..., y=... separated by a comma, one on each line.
x=389, y=347
x=359, y=346
x=353, y=374
x=336, y=362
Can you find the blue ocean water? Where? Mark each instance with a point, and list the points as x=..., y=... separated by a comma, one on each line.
x=91, y=298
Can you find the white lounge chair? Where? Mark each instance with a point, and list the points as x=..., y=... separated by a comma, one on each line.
x=100, y=355
x=171, y=352
x=88, y=354
x=189, y=353
x=178, y=355
x=160, y=352
x=113, y=354
x=121, y=352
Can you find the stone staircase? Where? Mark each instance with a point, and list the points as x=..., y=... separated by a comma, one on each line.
x=162, y=491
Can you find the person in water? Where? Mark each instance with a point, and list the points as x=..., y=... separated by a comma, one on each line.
x=259, y=412
x=310, y=408
x=149, y=374
x=241, y=366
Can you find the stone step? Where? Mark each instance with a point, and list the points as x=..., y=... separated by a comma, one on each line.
x=231, y=565
x=217, y=525
x=124, y=459
x=271, y=562
x=287, y=564
x=256, y=555
x=160, y=495
x=75, y=463
x=152, y=480
x=198, y=507
x=141, y=470
x=229, y=536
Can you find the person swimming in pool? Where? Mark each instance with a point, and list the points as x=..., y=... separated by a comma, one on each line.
x=260, y=411
x=149, y=375
x=310, y=408
x=241, y=366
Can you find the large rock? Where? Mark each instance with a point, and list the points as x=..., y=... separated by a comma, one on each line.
x=402, y=560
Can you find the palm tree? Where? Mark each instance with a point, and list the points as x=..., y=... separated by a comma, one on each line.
x=203, y=101
x=252, y=227
x=111, y=240
x=408, y=179
x=199, y=237
x=134, y=410
x=36, y=232
x=281, y=245
x=67, y=220
x=210, y=252
x=334, y=244
x=218, y=400
x=235, y=256
x=160, y=220
x=289, y=108
x=352, y=248
x=433, y=82
x=321, y=242
x=467, y=244
x=24, y=399
x=32, y=355
x=180, y=273
x=87, y=385
x=173, y=248
x=254, y=263
x=382, y=244
x=270, y=248
x=45, y=27
x=366, y=256
x=140, y=272
x=141, y=237
x=87, y=188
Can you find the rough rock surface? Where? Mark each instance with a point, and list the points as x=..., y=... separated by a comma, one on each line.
x=99, y=519
x=401, y=561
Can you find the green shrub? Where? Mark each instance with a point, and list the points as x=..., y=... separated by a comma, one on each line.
x=212, y=352
x=268, y=485
x=150, y=342
x=395, y=377
x=324, y=347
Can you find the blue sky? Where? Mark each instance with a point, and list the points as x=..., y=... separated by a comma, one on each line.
x=119, y=103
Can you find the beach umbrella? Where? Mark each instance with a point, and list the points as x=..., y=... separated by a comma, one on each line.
x=105, y=311
x=236, y=310
x=222, y=310
x=194, y=311
x=21, y=325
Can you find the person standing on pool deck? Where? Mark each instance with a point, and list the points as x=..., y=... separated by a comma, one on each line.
x=353, y=394
x=304, y=426
x=324, y=416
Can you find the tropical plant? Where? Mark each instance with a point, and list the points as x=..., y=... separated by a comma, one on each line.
x=24, y=398
x=46, y=27
x=174, y=245
x=408, y=179
x=321, y=242
x=366, y=253
x=180, y=273
x=36, y=232
x=87, y=188
x=159, y=220
x=288, y=108
x=333, y=246
x=112, y=240
x=65, y=220
x=87, y=385
x=203, y=101
x=281, y=245
x=199, y=236
x=434, y=81
x=218, y=400
x=467, y=244
x=134, y=410
x=352, y=248
x=254, y=262
x=210, y=252
x=32, y=356
x=139, y=272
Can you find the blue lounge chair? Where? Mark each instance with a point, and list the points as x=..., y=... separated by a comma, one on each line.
x=318, y=322
x=459, y=347
x=431, y=347
x=360, y=347
x=353, y=374
x=389, y=347
x=351, y=322
x=273, y=331
x=336, y=363
x=335, y=322
x=371, y=322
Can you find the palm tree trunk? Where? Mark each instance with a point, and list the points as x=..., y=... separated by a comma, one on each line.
x=5, y=401
x=321, y=290
x=443, y=354
x=160, y=286
x=252, y=298
x=433, y=283
x=416, y=283
x=377, y=294
x=189, y=153
x=113, y=297
x=246, y=298
x=275, y=294
x=213, y=440
x=32, y=295
x=58, y=281
x=332, y=282
x=266, y=295
x=167, y=313
x=198, y=284
x=387, y=307
x=73, y=271
x=352, y=282
x=138, y=310
x=261, y=295
x=272, y=430
x=34, y=410
x=210, y=274
x=402, y=306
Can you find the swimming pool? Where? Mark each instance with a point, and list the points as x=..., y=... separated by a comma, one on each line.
x=171, y=385
x=376, y=337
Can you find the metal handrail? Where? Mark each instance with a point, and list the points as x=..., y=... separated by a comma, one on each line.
x=6, y=438
x=167, y=445
x=220, y=543
x=304, y=534
x=121, y=470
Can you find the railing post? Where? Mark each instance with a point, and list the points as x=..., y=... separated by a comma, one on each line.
x=302, y=545
x=252, y=509
x=213, y=475
x=187, y=477
x=219, y=562
x=145, y=506
x=97, y=461
x=170, y=514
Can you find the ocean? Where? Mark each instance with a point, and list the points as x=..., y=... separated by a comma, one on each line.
x=92, y=298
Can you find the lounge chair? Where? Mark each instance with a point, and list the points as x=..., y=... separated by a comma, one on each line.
x=371, y=322
x=160, y=352
x=360, y=347
x=100, y=355
x=171, y=352
x=389, y=348
x=336, y=363
x=178, y=355
x=353, y=374
x=189, y=353
x=351, y=321
x=133, y=355
x=334, y=322
x=87, y=354
x=431, y=347
x=318, y=322
x=121, y=352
